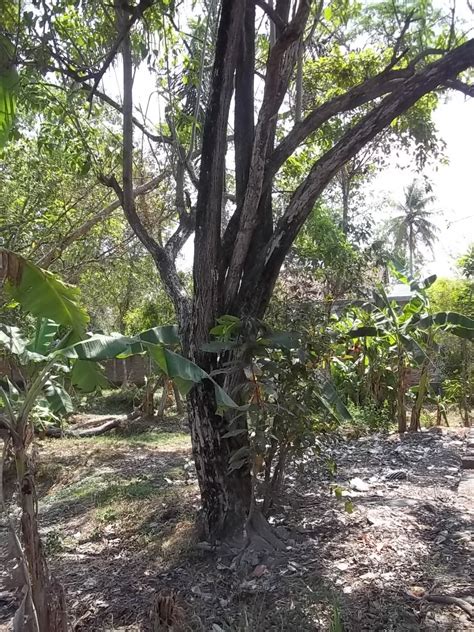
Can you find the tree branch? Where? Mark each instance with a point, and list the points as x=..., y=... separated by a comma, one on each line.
x=280, y=65
x=437, y=73
x=460, y=86
x=126, y=24
x=272, y=14
x=103, y=214
x=207, y=248
x=359, y=95
x=165, y=265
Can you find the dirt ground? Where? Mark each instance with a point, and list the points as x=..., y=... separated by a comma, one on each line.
x=369, y=526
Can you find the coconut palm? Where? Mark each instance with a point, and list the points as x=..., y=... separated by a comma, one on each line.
x=413, y=226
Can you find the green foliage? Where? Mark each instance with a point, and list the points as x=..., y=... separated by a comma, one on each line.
x=466, y=263
x=61, y=302
x=413, y=226
x=370, y=418
x=323, y=250
x=290, y=398
x=8, y=88
x=41, y=293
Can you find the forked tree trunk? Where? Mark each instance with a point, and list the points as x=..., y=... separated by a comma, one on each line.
x=235, y=270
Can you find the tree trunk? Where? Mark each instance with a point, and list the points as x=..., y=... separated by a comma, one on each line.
x=225, y=493
x=178, y=400
x=47, y=595
x=401, y=390
x=420, y=398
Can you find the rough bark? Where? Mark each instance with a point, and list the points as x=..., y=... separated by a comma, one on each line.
x=237, y=271
x=225, y=495
x=47, y=595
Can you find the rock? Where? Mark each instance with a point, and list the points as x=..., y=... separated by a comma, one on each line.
x=259, y=570
x=342, y=566
x=374, y=519
x=467, y=462
x=397, y=475
x=359, y=485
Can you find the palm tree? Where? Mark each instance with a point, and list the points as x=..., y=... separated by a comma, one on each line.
x=413, y=225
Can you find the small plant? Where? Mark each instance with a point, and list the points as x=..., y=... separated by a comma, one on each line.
x=289, y=398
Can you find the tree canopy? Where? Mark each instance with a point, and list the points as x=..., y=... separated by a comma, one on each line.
x=254, y=112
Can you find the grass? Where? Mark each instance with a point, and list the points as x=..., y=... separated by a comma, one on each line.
x=159, y=439
x=110, y=401
x=131, y=486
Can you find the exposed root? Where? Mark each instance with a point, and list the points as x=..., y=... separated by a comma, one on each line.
x=261, y=533
x=446, y=600
x=107, y=425
x=451, y=601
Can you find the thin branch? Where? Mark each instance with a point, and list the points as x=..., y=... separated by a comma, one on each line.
x=460, y=86
x=125, y=27
x=165, y=265
x=272, y=14
x=103, y=214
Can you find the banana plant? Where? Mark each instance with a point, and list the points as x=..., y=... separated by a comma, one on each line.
x=8, y=88
x=410, y=331
x=42, y=360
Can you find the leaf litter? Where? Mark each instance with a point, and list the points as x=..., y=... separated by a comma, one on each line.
x=408, y=536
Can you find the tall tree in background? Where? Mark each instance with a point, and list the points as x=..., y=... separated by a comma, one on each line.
x=413, y=226
x=227, y=163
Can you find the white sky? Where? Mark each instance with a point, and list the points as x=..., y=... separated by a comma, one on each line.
x=453, y=184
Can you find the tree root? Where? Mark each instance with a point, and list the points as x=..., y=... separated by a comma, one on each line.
x=260, y=532
x=108, y=424
x=446, y=600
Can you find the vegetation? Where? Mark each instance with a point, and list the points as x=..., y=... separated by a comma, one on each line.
x=263, y=128
x=414, y=226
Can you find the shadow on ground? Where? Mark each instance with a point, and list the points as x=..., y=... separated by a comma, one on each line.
x=118, y=518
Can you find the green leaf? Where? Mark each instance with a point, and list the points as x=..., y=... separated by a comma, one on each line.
x=166, y=335
x=327, y=14
x=348, y=506
x=457, y=324
x=178, y=366
x=282, y=339
x=329, y=397
x=424, y=284
x=88, y=376
x=12, y=339
x=58, y=398
x=223, y=400
x=239, y=458
x=99, y=347
x=8, y=88
x=40, y=292
x=45, y=333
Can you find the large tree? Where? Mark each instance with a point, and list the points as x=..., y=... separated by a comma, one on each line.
x=235, y=118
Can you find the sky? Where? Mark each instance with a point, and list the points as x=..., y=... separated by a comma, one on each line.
x=453, y=185
x=453, y=182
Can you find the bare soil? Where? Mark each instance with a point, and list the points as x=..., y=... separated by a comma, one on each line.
x=390, y=524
